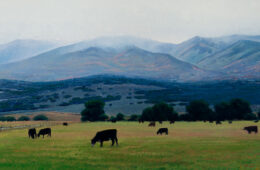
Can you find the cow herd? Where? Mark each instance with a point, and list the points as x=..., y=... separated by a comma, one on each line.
x=111, y=134
x=32, y=133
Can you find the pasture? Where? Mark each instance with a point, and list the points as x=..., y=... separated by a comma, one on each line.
x=189, y=145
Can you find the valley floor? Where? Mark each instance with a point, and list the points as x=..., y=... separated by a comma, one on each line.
x=189, y=145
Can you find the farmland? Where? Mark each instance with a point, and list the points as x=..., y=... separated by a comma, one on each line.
x=189, y=145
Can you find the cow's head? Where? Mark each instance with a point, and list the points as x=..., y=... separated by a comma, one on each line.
x=93, y=141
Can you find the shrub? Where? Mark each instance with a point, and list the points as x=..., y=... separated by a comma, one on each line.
x=40, y=117
x=120, y=117
x=24, y=118
x=7, y=118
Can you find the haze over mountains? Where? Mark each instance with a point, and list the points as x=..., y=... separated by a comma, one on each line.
x=22, y=49
x=230, y=57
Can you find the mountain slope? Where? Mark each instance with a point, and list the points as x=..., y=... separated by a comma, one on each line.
x=22, y=49
x=199, y=48
x=242, y=57
x=133, y=62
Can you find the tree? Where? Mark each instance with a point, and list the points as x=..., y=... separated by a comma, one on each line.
x=112, y=118
x=159, y=112
x=240, y=108
x=148, y=114
x=133, y=118
x=94, y=111
x=120, y=117
x=250, y=116
x=198, y=110
x=223, y=111
x=40, y=117
x=24, y=118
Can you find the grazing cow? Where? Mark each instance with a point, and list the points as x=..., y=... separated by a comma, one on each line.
x=113, y=121
x=256, y=121
x=46, y=131
x=172, y=122
x=218, y=122
x=162, y=130
x=65, y=124
x=151, y=124
x=110, y=134
x=250, y=129
x=141, y=121
x=210, y=121
x=32, y=133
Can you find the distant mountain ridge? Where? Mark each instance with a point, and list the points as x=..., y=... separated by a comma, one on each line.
x=229, y=57
x=132, y=61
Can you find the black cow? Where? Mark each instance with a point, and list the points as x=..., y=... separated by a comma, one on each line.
x=172, y=122
x=32, y=133
x=210, y=121
x=162, y=130
x=141, y=121
x=152, y=124
x=256, y=121
x=218, y=122
x=65, y=124
x=110, y=134
x=250, y=129
x=46, y=131
x=113, y=121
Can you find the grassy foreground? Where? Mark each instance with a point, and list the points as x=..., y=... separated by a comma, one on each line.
x=194, y=145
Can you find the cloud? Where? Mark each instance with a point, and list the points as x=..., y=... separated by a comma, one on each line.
x=165, y=20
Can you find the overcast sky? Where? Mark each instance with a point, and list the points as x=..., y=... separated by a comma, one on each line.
x=164, y=20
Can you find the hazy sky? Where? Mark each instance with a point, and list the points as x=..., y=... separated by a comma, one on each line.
x=164, y=20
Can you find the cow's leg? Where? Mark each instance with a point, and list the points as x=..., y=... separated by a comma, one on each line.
x=116, y=141
x=249, y=131
x=101, y=143
x=113, y=141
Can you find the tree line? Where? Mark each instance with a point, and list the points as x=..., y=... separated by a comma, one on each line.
x=23, y=118
x=197, y=110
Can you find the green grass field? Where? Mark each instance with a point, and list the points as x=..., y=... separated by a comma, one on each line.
x=194, y=145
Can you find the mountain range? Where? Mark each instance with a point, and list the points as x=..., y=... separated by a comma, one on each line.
x=230, y=57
